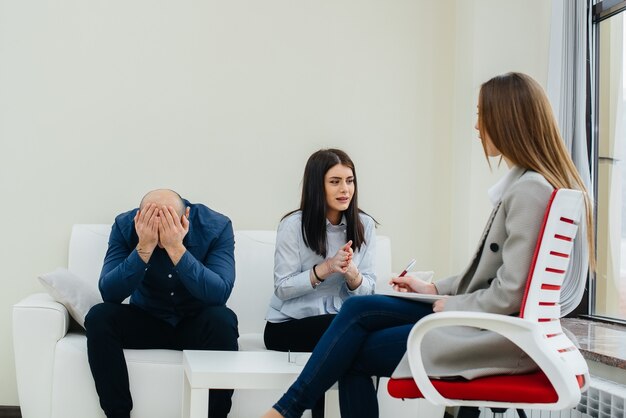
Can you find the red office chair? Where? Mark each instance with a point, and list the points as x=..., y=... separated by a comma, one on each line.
x=563, y=374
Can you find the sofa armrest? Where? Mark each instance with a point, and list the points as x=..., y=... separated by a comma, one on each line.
x=39, y=323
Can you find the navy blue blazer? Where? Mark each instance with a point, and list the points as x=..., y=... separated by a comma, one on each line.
x=204, y=276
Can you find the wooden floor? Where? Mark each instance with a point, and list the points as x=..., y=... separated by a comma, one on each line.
x=10, y=412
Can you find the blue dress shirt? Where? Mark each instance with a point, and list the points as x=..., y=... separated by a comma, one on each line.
x=204, y=276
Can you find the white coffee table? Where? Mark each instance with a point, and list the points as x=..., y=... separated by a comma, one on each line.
x=204, y=370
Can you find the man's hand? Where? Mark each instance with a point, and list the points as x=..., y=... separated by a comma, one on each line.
x=147, y=228
x=172, y=231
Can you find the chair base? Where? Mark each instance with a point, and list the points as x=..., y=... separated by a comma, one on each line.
x=474, y=412
x=468, y=412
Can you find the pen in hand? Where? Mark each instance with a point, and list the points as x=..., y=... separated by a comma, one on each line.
x=415, y=286
x=408, y=267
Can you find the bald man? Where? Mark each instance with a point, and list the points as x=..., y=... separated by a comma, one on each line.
x=176, y=262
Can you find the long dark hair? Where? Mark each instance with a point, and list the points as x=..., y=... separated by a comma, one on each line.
x=313, y=202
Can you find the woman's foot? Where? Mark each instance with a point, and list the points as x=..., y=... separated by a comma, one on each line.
x=272, y=413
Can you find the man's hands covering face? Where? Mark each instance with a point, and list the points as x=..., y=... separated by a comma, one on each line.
x=172, y=228
x=161, y=226
x=147, y=228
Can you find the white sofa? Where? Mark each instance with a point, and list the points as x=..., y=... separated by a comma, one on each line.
x=53, y=376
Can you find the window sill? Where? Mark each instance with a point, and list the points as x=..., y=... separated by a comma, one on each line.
x=598, y=341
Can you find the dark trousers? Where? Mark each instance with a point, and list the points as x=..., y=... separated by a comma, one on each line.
x=298, y=335
x=111, y=327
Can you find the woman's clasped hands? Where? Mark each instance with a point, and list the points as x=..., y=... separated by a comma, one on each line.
x=342, y=263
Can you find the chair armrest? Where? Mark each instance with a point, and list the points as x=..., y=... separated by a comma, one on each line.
x=525, y=334
x=38, y=324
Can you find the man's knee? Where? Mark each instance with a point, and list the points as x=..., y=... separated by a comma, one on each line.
x=220, y=325
x=219, y=316
x=101, y=316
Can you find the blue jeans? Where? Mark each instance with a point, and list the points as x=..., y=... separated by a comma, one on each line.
x=367, y=338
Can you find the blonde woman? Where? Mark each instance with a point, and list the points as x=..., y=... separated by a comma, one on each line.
x=368, y=337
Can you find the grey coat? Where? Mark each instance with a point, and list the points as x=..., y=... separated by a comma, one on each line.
x=494, y=281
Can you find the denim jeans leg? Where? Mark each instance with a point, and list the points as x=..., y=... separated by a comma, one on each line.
x=334, y=355
x=380, y=354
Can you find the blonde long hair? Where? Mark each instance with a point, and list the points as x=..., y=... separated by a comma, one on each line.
x=516, y=115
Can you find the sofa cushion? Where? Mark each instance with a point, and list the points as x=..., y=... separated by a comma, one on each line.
x=76, y=294
x=88, y=246
x=254, y=285
x=251, y=342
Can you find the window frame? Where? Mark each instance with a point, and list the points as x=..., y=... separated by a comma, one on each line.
x=601, y=10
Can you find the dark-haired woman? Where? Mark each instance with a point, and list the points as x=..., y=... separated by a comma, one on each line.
x=324, y=255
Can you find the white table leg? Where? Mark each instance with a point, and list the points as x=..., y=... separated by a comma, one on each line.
x=195, y=401
x=331, y=404
x=186, y=397
x=199, y=403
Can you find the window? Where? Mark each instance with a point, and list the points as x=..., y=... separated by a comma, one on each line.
x=609, y=30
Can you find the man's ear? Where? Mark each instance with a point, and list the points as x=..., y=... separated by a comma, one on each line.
x=187, y=212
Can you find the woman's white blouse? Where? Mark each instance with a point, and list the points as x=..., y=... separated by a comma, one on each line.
x=294, y=297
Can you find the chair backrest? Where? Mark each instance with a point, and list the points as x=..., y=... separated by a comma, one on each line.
x=549, y=271
x=563, y=372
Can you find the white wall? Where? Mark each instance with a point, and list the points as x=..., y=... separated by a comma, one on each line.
x=225, y=100
x=492, y=37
